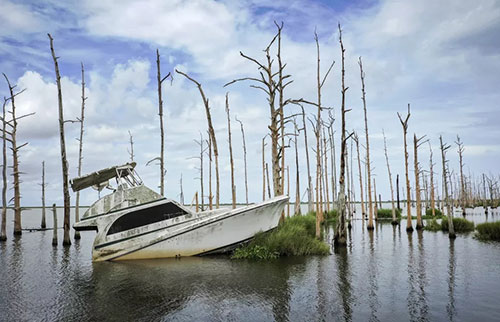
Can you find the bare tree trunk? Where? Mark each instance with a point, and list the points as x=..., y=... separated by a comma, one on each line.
x=264, y=169
x=288, y=190
x=210, y=195
x=416, y=144
x=397, y=190
x=233, y=188
x=462, y=183
x=197, y=205
x=375, y=204
x=444, y=148
x=363, y=213
x=181, y=195
x=325, y=166
x=404, y=123
x=160, y=114
x=394, y=219
x=433, y=199
x=297, y=210
x=131, y=151
x=54, y=229
x=268, y=184
x=369, y=192
x=66, y=239
x=80, y=156
x=309, y=180
x=44, y=223
x=332, y=156
x=244, y=158
x=340, y=237
x=202, y=151
x=3, y=230
x=211, y=133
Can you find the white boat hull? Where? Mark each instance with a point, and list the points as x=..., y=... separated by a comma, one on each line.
x=194, y=234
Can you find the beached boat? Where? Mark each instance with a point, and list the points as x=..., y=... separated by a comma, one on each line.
x=134, y=222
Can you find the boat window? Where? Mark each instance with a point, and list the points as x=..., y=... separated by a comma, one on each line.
x=146, y=216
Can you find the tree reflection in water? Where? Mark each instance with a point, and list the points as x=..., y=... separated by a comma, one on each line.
x=450, y=307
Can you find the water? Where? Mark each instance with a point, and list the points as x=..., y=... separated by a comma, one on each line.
x=384, y=275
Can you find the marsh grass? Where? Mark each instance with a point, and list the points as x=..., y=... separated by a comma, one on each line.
x=387, y=213
x=461, y=225
x=489, y=231
x=428, y=213
x=294, y=237
x=432, y=225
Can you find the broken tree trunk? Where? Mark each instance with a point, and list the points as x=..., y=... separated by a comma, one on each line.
x=131, y=151
x=404, y=124
x=394, y=219
x=416, y=145
x=444, y=148
x=460, y=151
x=363, y=212
x=211, y=133
x=66, y=239
x=80, y=149
x=233, y=187
x=368, y=164
x=54, y=229
x=44, y=223
x=268, y=184
x=244, y=158
x=397, y=191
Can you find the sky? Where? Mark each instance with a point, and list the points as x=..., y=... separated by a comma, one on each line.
x=442, y=57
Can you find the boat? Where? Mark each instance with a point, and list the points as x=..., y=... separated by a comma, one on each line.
x=135, y=222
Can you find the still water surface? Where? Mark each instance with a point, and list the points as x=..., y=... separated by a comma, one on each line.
x=384, y=275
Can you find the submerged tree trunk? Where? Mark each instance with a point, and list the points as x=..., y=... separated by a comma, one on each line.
x=368, y=164
x=460, y=151
x=431, y=166
x=444, y=148
x=404, y=124
x=211, y=133
x=297, y=210
x=44, y=223
x=361, y=194
x=54, y=229
x=231, y=163
x=66, y=239
x=416, y=144
x=397, y=191
x=375, y=204
x=394, y=219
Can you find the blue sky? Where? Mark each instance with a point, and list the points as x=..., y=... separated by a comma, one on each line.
x=442, y=57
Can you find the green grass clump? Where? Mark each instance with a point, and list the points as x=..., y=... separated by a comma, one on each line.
x=428, y=213
x=433, y=225
x=387, y=213
x=294, y=237
x=331, y=216
x=489, y=231
x=461, y=225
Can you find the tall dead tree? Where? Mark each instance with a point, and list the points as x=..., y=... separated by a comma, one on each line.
x=416, y=144
x=12, y=132
x=54, y=223
x=340, y=237
x=211, y=133
x=210, y=195
x=297, y=210
x=202, y=151
x=394, y=219
x=244, y=158
x=309, y=179
x=43, y=184
x=369, y=192
x=264, y=168
x=397, y=191
x=160, y=80
x=432, y=193
x=375, y=204
x=273, y=83
x=231, y=162
x=444, y=149
x=361, y=194
x=404, y=124
x=331, y=134
x=325, y=167
x=460, y=150
x=3, y=230
x=80, y=149
x=66, y=239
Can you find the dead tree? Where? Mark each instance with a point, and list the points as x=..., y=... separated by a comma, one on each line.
x=268, y=184
x=444, y=149
x=12, y=132
x=244, y=158
x=331, y=133
x=231, y=162
x=460, y=151
x=210, y=195
x=202, y=151
x=375, y=204
x=264, y=169
x=309, y=180
x=432, y=193
x=80, y=156
x=394, y=219
x=297, y=171
x=404, y=124
x=397, y=191
x=54, y=229
x=3, y=230
x=66, y=239
x=131, y=151
x=211, y=133
x=181, y=195
x=325, y=167
x=363, y=212
x=43, y=184
x=340, y=237
x=416, y=145
x=288, y=190
x=369, y=192
x=160, y=80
